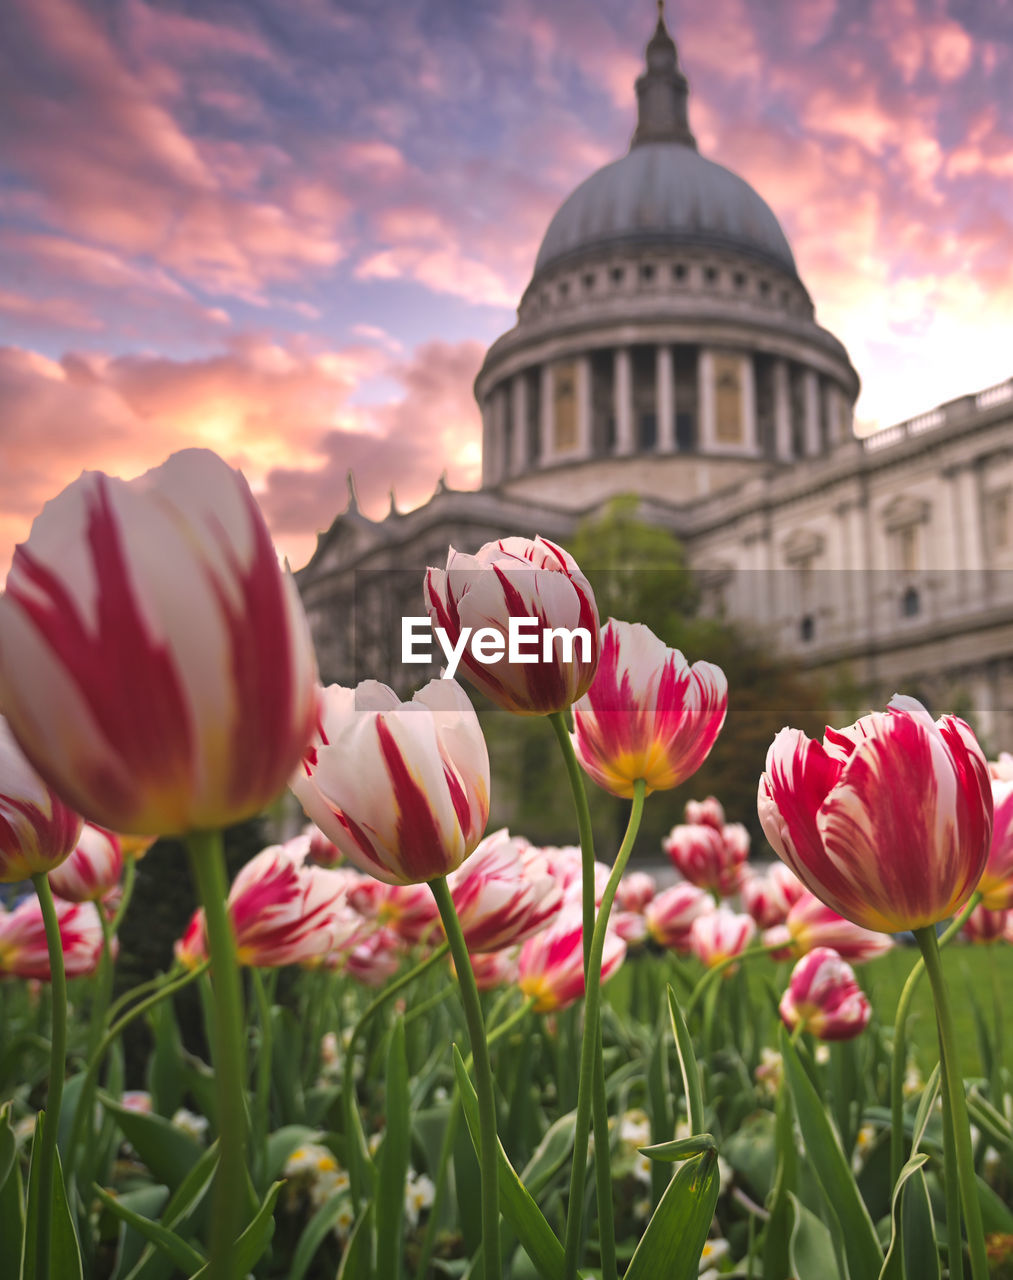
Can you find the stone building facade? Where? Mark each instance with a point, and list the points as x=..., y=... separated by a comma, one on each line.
x=667, y=347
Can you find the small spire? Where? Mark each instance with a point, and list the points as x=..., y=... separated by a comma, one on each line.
x=441, y=484
x=662, y=91
x=393, y=511
x=353, y=497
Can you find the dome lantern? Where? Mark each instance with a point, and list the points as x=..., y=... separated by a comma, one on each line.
x=662, y=91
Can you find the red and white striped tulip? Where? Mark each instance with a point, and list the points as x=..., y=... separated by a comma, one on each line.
x=823, y=996
x=996, y=883
x=155, y=662
x=494, y=969
x=635, y=891
x=565, y=864
x=409, y=910
x=94, y=868
x=631, y=927
x=551, y=964
x=888, y=821
x=191, y=949
x=373, y=959
x=710, y=811
x=37, y=830
x=721, y=934
x=648, y=714
x=984, y=925
x=285, y=910
x=23, y=949
x=670, y=915
x=768, y=897
x=402, y=788
x=811, y=924
x=710, y=857
x=504, y=893
x=321, y=851
x=516, y=578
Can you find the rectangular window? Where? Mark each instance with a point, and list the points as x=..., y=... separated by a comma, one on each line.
x=564, y=396
x=997, y=520
x=728, y=399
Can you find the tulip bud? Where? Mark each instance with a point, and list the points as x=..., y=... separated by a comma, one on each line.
x=811, y=924
x=510, y=581
x=824, y=996
x=888, y=822
x=721, y=934
x=551, y=964
x=985, y=926
x=996, y=884
x=635, y=891
x=155, y=662
x=710, y=812
x=710, y=857
x=503, y=893
x=670, y=915
x=93, y=869
x=648, y=714
x=402, y=788
x=37, y=830
x=769, y=897
x=24, y=952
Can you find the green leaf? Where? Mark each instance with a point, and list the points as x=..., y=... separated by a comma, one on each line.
x=777, y=1236
x=393, y=1160
x=184, y=1200
x=811, y=1247
x=926, y=1103
x=148, y=1201
x=12, y=1222
x=282, y=1143
x=680, y=1148
x=357, y=1262
x=314, y=1234
x=252, y=1244
x=921, y=1253
x=167, y=1151
x=893, y=1265
x=550, y=1155
x=675, y=1236
x=8, y=1142
x=865, y=1257
x=165, y=1075
x=64, y=1251
x=185, y=1257
x=691, y=1086
x=515, y=1201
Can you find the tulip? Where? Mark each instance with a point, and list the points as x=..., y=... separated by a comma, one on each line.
x=155, y=663
x=191, y=950
x=888, y=822
x=984, y=925
x=23, y=949
x=504, y=893
x=402, y=788
x=134, y=847
x=996, y=883
x=769, y=897
x=710, y=812
x=409, y=910
x=671, y=913
x=551, y=964
x=487, y=595
x=565, y=864
x=93, y=870
x=824, y=996
x=37, y=830
x=811, y=924
x=321, y=850
x=631, y=927
x=495, y=968
x=284, y=910
x=374, y=959
x=719, y=935
x=709, y=857
x=648, y=714
x=635, y=891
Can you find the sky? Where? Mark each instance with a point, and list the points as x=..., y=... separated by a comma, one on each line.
x=288, y=229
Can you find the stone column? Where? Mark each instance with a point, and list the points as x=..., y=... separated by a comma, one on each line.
x=490, y=457
x=520, y=459
x=705, y=399
x=782, y=411
x=584, y=445
x=749, y=440
x=547, y=417
x=665, y=399
x=811, y=383
x=625, y=443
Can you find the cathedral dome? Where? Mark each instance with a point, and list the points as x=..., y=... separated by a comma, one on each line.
x=664, y=190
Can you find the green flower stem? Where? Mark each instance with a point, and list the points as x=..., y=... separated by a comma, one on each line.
x=558, y=722
x=603, y=1168
x=509, y=1023
x=955, y=1110
x=262, y=1081
x=898, y=1063
x=358, y=1152
x=951, y=1189
x=488, y=1155
x=715, y=972
x=998, y=1000
x=57, y=1071
x=207, y=861
x=103, y=983
x=129, y=879
x=591, y=1048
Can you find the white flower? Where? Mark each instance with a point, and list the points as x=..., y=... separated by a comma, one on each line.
x=194, y=1125
x=635, y=1128
x=419, y=1193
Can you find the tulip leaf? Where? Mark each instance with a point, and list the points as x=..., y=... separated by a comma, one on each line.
x=926, y=1105
x=894, y=1263
x=550, y=1155
x=691, y=1086
x=680, y=1148
x=921, y=1253
x=64, y=1251
x=777, y=1236
x=515, y=1201
x=865, y=1256
x=12, y=1213
x=8, y=1143
x=393, y=1160
x=252, y=1244
x=811, y=1251
x=167, y=1150
x=357, y=1260
x=184, y=1255
x=148, y=1201
x=675, y=1236
x=282, y=1143
x=187, y=1197
x=314, y=1234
